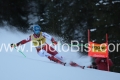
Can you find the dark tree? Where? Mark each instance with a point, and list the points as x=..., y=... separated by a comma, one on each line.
x=15, y=13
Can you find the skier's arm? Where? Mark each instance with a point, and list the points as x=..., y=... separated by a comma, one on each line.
x=24, y=41
x=49, y=37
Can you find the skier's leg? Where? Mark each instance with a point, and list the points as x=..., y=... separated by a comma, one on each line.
x=58, y=56
x=50, y=50
x=43, y=53
x=53, y=52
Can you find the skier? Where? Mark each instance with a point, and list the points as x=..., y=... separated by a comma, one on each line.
x=43, y=49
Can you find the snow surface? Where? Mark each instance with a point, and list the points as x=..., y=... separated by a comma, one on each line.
x=14, y=66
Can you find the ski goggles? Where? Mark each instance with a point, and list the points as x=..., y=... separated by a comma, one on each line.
x=37, y=32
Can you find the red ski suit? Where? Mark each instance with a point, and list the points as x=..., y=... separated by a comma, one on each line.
x=46, y=47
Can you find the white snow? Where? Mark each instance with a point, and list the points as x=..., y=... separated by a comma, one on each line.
x=32, y=19
x=117, y=1
x=101, y=1
x=97, y=4
x=14, y=66
x=92, y=30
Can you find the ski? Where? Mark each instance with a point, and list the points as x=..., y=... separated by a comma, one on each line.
x=73, y=64
x=76, y=65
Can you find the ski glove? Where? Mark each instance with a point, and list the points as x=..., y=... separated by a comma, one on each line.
x=53, y=41
x=13, y=45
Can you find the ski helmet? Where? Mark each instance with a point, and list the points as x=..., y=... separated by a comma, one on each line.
x=36, y=29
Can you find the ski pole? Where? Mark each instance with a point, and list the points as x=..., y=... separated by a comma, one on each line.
x=19, y=51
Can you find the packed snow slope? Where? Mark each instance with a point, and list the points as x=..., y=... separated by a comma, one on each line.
x=14, y=66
